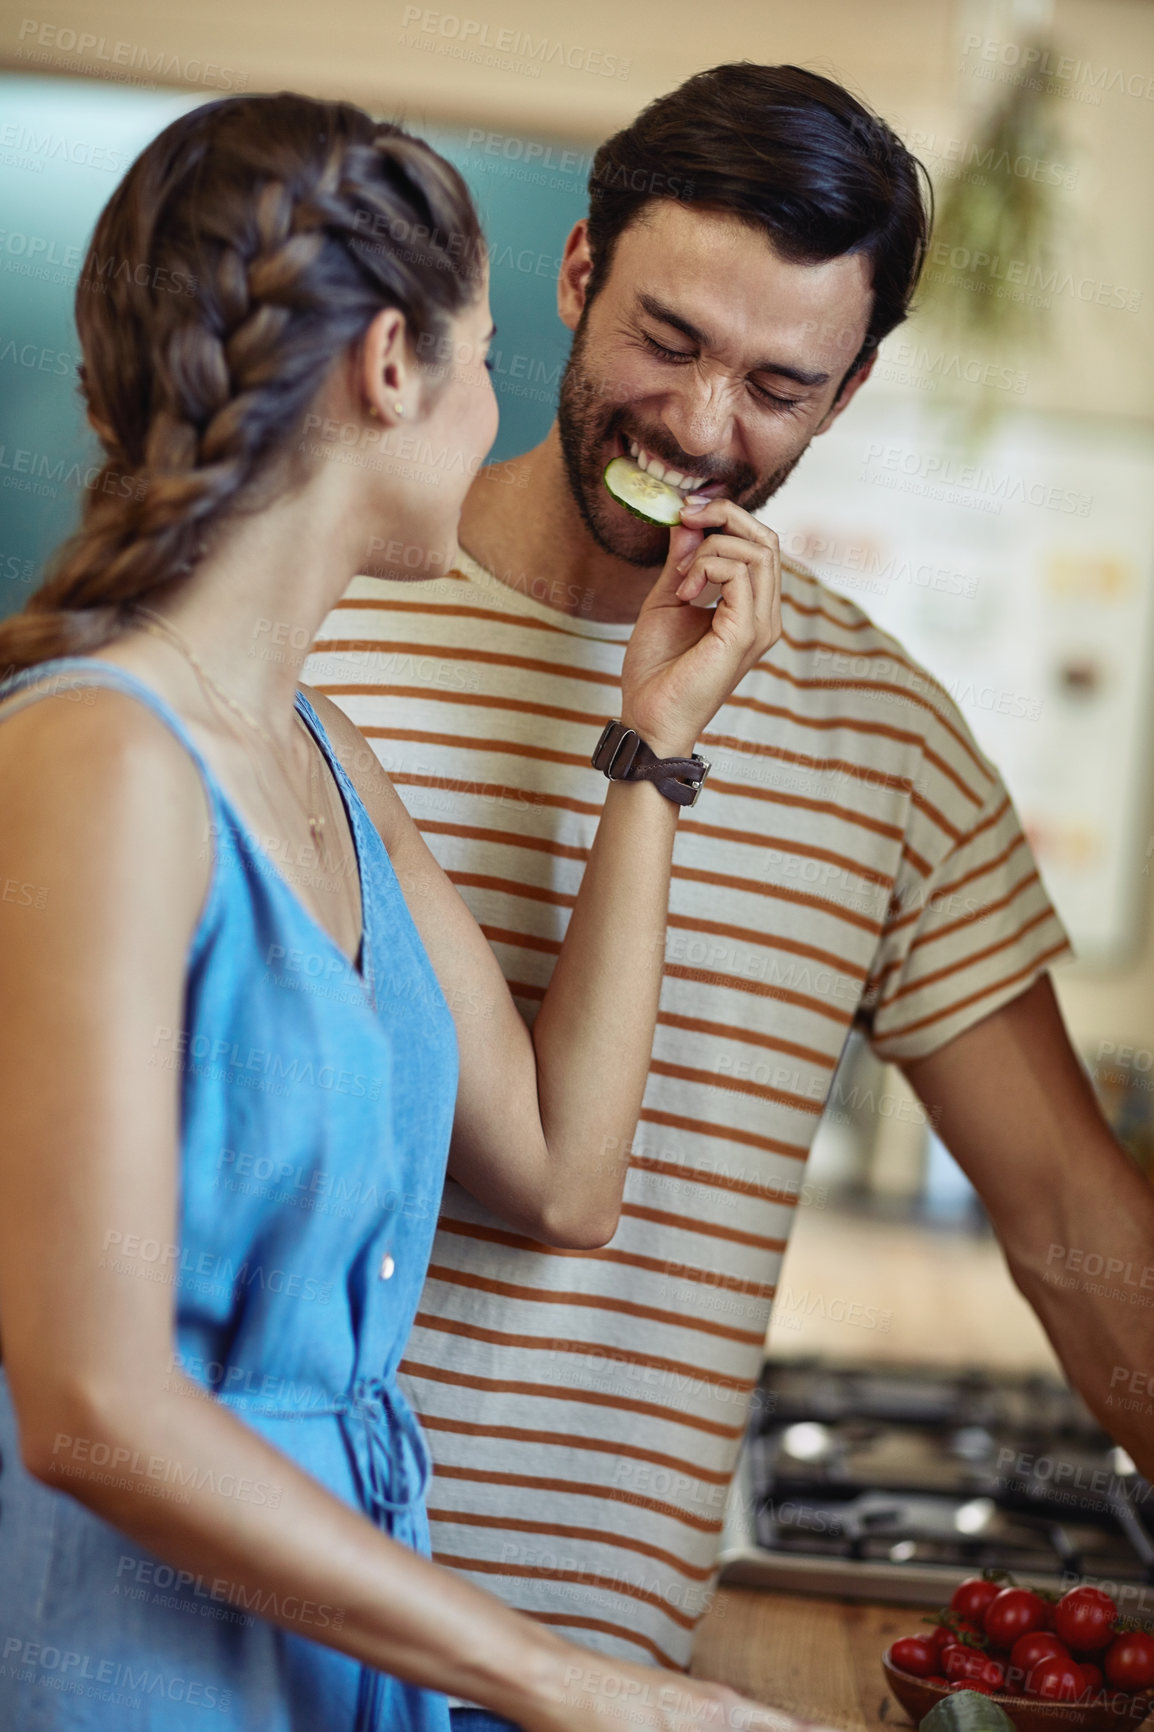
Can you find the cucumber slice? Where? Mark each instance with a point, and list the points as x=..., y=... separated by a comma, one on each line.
x=968, y=1711
x=642, y=494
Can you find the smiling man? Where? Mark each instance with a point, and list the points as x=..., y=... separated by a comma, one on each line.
x=766, y=352
x=853, y=858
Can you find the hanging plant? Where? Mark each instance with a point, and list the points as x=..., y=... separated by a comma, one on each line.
x=997, y=216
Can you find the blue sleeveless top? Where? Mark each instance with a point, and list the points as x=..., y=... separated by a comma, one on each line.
x=316, y=1108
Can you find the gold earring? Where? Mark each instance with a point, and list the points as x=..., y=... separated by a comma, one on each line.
x=373, y=411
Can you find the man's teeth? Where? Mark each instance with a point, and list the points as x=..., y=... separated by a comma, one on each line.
x=671, y=477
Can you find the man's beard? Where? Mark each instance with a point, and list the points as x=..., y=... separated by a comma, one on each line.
x=585, y=425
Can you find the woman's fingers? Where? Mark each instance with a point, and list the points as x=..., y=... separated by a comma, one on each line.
x=737, y=1713
x=750, y=586
x=737, y=547
x=711, y=568
x=744, y=543
x=722, y=515
x=658, y=1701
x=679, y=667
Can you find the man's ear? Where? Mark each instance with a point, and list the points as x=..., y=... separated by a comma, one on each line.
x=576, y=266
x=849, y=392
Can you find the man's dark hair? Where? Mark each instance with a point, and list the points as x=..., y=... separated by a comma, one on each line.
x=788, y=152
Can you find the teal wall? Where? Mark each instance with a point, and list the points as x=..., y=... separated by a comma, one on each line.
x=65, y=143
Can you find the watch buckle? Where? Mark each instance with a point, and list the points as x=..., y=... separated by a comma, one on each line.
x=706, y=767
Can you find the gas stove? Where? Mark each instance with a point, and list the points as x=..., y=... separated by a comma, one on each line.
x=881, y=1483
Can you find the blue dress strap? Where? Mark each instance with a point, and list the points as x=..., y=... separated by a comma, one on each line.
x=74, y=672
x=71, y=672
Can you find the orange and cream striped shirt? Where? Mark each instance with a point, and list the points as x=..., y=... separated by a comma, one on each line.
x=853, y=856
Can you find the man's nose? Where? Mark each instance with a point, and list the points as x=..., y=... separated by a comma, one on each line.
x=699, y=417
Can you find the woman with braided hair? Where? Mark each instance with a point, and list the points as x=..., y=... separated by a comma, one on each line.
x=245, y=1019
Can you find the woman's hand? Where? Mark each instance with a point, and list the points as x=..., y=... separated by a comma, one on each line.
x=682, y=661
x=600, y=1694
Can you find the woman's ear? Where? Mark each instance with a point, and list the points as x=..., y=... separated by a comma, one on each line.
x=576, y=268
x=386, y=372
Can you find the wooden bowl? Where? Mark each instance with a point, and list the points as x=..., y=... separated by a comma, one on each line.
x=917, y=1696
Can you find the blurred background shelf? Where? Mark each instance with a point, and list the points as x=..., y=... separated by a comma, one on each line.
x=862, y=1289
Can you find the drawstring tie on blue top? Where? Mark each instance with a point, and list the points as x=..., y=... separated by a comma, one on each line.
x=394, y=1446
x=397, y=1456
x=392, y=1468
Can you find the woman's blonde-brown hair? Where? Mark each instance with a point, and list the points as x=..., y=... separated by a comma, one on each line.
x=249, y=244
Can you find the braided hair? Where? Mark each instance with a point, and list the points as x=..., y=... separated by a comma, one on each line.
x=249, y=244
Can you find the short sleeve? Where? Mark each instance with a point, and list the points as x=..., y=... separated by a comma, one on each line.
x=962, y=939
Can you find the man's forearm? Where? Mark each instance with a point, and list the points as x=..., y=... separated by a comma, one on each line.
x=1074, y=1215
x=1092, y=1285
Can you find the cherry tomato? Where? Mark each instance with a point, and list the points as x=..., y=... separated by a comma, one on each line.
x=971, y=1597
x=1130, y=1661
x=1027, y=1651
x=936, y=1678
x=1084, y=1618
x=972, y=1684
x=961, y=1663
x=914, y=1654
x=1038, y=1645
x=950, y=1635
x=1016, y=1612
x=1056, y=1679
x=1093, y=1677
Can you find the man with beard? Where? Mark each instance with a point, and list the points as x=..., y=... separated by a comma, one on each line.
x=853, y=858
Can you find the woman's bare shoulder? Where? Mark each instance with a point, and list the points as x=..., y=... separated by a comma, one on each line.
x=96, y=786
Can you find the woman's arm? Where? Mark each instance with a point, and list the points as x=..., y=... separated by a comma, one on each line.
x=92, y=969
x=545, y=1120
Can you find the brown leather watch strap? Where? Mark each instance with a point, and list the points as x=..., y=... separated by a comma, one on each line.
x=623, y=756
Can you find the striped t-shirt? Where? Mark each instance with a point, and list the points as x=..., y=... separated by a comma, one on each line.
x=852, y=856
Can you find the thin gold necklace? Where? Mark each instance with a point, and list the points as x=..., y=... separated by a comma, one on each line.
x=158, y=625
x=152, y=621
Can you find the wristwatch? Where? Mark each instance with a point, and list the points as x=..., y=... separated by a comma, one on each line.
x=624, y=757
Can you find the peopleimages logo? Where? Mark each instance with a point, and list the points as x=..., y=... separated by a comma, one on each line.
x=101, y=1679
x=1043, y=281
x=468, y=35
x=48, y=146
x=230, y=1060
x=1034, y=66
x=166, y=67
x=996, y=487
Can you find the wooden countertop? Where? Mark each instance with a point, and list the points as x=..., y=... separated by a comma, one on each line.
x=817, y=1658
